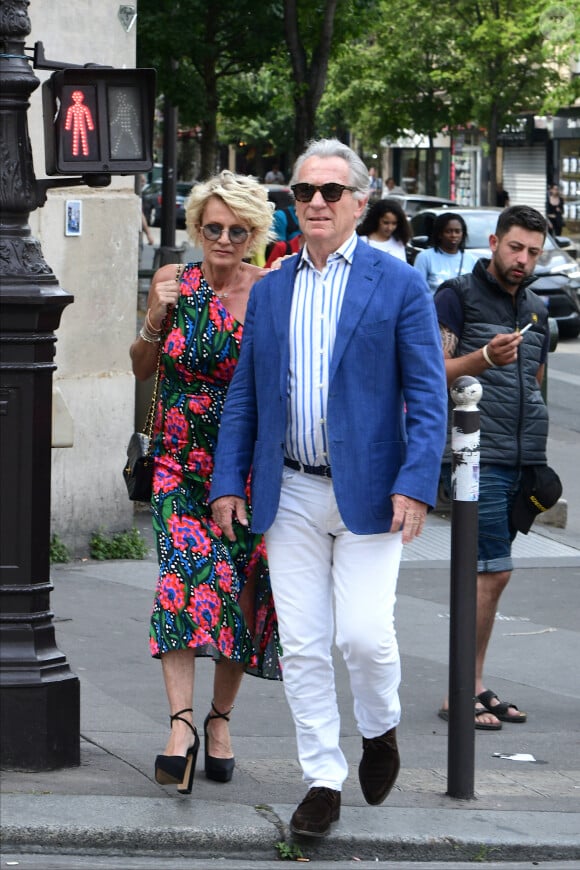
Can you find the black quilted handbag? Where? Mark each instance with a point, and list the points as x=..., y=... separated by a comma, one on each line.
x=138, y=470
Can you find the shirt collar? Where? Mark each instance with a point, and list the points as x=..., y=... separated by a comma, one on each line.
x=346, y=252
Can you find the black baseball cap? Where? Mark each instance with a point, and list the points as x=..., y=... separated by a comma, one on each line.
x=540, y=489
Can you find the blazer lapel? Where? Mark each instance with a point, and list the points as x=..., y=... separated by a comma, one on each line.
x=360, y=287
x=280, y=297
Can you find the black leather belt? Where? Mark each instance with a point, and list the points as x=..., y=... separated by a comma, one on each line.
x=319, y=470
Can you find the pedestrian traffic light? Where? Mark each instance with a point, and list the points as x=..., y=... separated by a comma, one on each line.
x=99, y=120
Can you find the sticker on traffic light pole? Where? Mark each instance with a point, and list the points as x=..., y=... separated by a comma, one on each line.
x=79, y=107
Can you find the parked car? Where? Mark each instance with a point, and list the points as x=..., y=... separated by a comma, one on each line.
x=280, y=194
x=567, y=245
x=557, y=274
x=413, y=202
x=151, y=199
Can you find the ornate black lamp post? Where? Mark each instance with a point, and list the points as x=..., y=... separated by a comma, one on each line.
x=39, y=695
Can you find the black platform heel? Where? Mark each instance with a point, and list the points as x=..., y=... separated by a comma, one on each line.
x=218, y=769
x=175, y=768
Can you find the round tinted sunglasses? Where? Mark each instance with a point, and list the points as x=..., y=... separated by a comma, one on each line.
x=331, y=191
x=236, y=235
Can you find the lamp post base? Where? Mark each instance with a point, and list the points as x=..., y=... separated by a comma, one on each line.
x=40, y=725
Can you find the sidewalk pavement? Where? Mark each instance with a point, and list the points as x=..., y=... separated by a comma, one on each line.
x=111, y=804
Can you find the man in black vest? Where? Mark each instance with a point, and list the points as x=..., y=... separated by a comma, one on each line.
x=495, y=329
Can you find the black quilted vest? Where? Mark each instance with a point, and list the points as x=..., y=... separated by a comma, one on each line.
x=514, y=418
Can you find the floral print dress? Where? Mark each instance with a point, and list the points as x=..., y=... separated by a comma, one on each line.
x=212, y=595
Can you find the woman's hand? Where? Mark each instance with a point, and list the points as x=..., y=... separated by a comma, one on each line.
x=163, y=294
x=278, y=262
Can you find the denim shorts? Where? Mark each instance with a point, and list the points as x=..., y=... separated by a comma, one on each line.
x=498, y=485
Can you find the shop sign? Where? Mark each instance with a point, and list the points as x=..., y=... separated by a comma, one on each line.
x=566, y=128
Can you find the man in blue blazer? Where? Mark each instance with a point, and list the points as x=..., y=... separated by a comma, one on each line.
x=338, y=406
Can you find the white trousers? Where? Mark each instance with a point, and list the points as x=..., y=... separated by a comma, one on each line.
x=318, y=567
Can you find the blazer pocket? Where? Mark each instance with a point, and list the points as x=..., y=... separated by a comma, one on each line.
x=376, y=327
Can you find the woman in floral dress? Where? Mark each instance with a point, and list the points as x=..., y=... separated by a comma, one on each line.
x=212, y=597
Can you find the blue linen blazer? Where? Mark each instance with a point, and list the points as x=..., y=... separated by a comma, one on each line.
x=387, y=395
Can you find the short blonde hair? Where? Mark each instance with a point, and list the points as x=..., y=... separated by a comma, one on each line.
x=243, y=195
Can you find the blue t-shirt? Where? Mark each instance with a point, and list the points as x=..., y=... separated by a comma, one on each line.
x=436, y=266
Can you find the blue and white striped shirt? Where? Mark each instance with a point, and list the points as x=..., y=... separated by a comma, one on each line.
x=316, y=306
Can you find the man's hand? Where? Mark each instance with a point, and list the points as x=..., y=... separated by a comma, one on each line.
x=409, y=515
x=503, y=348
x=225, y=510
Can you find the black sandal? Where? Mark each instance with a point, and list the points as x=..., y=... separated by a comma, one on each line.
x=500, y=710
x=171, y=769
x=480, y=726
x=218, y=769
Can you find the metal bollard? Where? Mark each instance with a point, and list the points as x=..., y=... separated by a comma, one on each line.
x=465, y=392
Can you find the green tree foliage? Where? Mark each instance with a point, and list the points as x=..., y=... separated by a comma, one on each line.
x=200, y=47
x=257, y=109
x=560, y=27
x=313, y=30
x=277, y=73
x=391, y=82
x=275, y=107
x=511, y=60
x=427, y=66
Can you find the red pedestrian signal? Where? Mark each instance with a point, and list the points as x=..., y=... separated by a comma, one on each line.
x=78, y=122
x=99, y=120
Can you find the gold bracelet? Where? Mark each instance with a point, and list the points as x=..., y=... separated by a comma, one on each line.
x=150, y=326
x=487, y=357
x=146, y=336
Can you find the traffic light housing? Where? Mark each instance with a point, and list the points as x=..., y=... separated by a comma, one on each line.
x=99, y=120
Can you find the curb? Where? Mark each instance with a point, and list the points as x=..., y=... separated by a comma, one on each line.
x=121, y=826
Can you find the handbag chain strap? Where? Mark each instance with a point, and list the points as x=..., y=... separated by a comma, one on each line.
x=153, y=404
x=152, y=407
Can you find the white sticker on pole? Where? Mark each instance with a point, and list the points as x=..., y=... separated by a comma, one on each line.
x=465, y=477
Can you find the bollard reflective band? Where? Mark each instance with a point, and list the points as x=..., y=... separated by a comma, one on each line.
x=465, y=434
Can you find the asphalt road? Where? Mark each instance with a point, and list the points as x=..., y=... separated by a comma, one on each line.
x=112, y=862
x=564, y=409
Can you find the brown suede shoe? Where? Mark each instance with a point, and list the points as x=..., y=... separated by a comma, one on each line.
x=313, y=817
x=379, y=766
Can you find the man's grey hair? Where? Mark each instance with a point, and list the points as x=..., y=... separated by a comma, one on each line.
x=358, y=172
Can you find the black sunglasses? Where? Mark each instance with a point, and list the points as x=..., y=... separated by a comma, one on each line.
x=236, y=235
x=331, y=191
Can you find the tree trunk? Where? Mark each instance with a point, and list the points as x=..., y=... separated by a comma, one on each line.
x=309, y=78
x=304, y=123
x=209, y=124
x=430, y=168
x=208, y=148
x=492, y=141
